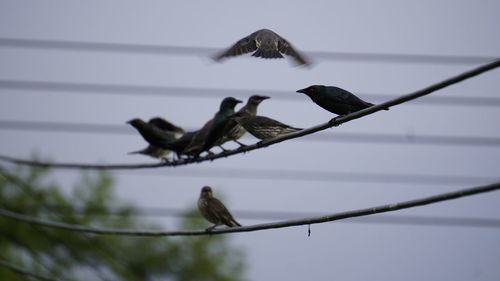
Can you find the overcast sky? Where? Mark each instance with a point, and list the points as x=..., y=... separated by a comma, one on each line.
x=337, y=250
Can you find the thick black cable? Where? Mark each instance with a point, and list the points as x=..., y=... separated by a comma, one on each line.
x=332, y=123
x=283, y=224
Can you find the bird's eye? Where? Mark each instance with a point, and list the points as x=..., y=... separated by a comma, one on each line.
x=311, y=90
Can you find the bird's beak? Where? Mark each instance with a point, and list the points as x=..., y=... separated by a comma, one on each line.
x=301, y=91
x=264, y=97
x=128, y=122
x=238, y=101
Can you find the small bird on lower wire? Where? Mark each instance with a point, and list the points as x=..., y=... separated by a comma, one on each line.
x=263, y=127
x=213, y=210
x=267, y=44
x=335, y=99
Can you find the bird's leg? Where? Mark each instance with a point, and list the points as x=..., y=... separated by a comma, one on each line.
x=241, y=144
x=223, y=149
x=333, y=122
x=165, y=160
x=209, y=229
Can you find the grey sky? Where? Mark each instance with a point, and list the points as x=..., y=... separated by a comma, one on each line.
x=341, y=251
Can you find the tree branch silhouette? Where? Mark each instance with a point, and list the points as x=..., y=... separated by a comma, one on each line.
x=25, y=272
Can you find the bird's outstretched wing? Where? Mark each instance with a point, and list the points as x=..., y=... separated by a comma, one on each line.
x=243, y=46
x=286, y=48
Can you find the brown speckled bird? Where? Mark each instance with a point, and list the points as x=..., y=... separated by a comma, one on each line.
x=263, y=127
x=213, y=210
x=267, y=44
x=235, y=131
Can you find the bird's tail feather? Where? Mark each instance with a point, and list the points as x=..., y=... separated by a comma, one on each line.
x=371, y=104
x=267, y=53
x=235, y=223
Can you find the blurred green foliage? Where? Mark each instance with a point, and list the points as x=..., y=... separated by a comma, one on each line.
x=70, y=255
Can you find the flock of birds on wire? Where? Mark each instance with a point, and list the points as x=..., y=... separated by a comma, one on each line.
x=227, y=124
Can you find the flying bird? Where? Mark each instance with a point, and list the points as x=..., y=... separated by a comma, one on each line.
x=157, y=132
x=335, y=99
x=266, y=44
x=213, y=210
x=263, y=127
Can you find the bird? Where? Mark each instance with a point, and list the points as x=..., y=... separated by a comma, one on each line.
x=234, y=131
x=157, y=132
x=180, y=144
x=266, y=44
x=196, y=143
x=335, y=99
x=262, y=127
x=167, y=126
x=170, y=129
x=213, y=210
x=153, y=151
x=213, y=130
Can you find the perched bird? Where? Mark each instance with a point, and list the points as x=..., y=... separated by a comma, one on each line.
x=194, y=146
x=233, y=130
x=267, y=44
x=335, y=100
x=180, y=144
x=153, y=151
x=167, y=126
x=213, y=210
x=157, y=132
x=212, y=132
x=262, y=127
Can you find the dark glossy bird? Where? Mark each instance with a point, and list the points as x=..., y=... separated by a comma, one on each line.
x=167, y=126
x=263, y=127
x=233, y=130
x=220, y=120
x=267, y=44
x=213, y=131
x=213, y=210
x=335, y=99
x=153, y=151
x=195, y=145
x=180, y=144
x=157, y=132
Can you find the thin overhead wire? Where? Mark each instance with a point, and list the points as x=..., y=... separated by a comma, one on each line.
x=115, y=129
x=283, y=224
x=25, y=272
x=150, y=49
x=332, y=123
x=308, y=175
x=317, y=176
x=168, y=91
